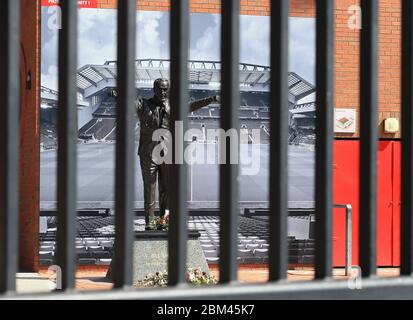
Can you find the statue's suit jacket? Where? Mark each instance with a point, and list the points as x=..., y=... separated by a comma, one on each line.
x=149, y=114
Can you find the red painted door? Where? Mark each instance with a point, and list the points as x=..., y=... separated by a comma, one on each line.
x=396, y=202
x=385, y=183
x=346, y=191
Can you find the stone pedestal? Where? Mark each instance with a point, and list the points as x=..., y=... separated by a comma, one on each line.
x=150, y=254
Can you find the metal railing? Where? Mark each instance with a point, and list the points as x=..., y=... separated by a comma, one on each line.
x=324, y=286
x=349, y=235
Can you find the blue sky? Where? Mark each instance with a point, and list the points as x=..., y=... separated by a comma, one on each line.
x=97, y=36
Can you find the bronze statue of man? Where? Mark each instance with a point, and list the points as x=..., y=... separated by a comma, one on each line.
x=154, y=114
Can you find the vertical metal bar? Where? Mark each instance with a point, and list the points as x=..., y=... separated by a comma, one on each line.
x=349, y=236
x=9, y=141
x=324, y=133
x=125, y=145
x=368, y=137
x=178, y=232
x=229, y=120
x=278, y=254
x=67, y=139
x=406, y=225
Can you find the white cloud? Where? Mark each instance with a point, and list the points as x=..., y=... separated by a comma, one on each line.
x=302, y=47
x=49, y=48
x=98, y=29
x=255, y=43
x=255, y=39
x=207, y=47
x=150, y=44
x=97, y=32
x=97, y=36
x=49, y=78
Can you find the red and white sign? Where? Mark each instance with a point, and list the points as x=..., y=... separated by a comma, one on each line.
x=81, y=3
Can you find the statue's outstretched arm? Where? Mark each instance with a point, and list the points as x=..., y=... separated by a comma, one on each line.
x=193, y=106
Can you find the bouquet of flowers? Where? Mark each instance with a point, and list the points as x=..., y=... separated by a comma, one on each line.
x=158, y=279
x=162, y=223
x=194, y=276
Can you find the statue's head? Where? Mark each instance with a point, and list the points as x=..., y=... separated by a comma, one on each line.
x=161, y=89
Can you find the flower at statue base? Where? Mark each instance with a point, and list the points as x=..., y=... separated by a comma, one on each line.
x=197, y=277
x=158, y=279
x=194, y=276
x=162, y=223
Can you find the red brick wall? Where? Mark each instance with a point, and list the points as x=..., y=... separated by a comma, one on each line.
x=390, y=60
x=347, y=46
x=303, y=8
x=347, y=60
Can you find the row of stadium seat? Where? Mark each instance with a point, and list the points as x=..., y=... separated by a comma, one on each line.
x=48, y=135
x=92, y=246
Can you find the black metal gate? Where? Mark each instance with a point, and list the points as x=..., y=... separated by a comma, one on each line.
x=277, y=287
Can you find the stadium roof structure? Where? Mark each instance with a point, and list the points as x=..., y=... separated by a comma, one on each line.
x=202, y=74
x=48, y=94
x=48, y=97
x=304, y=108
x=298, y=86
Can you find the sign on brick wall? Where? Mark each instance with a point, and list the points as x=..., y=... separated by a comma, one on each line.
x=81, y=3
x=345, y=120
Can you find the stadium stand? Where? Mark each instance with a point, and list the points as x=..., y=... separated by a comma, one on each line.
x=94, y=240
x=102, y=126
x=254, y=99
x=98, y=129
x=204, y=78
x=245, y=113
x=112, y=136
x=84, y=131
x=264, y=113
x=215, y=113
x=48, y=135
x=109, y=112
